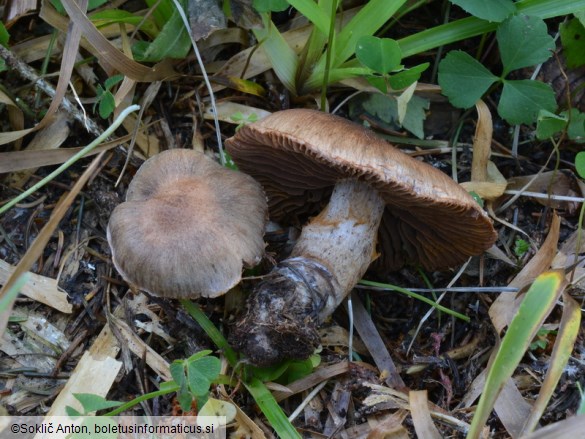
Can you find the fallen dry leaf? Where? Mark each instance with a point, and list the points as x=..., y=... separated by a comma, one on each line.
x=421, y=416
x=49, y=137
x=504, y=308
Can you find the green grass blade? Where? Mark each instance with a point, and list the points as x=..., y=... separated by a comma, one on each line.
x=564, y=344
x=8, y=298
x=271, y=410
x=163, y=10
x=257, y=389
x=472, y=26
x=416, y=296
x=128, y=405
x=311, y=53
x=283, y=58
x=366, y=22
x=101, y=138
x=581, y=409
x=536, y=306
x=313, y=11
x=328, y=55
x=171, y=42
x=431, y=38
x=314, y=49
x=112, y=16
x=210, y=329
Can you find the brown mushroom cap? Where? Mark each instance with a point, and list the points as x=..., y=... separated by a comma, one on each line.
x=298, y=156
x=188, y=226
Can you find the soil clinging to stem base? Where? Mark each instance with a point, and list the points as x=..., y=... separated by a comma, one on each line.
x=331, y=255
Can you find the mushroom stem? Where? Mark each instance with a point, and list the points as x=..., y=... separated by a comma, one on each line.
x=331, y=255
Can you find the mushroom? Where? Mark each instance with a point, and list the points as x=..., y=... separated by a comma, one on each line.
x=305, y=159
x=187, y=227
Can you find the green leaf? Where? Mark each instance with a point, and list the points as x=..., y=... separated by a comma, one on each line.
x=177, y=370
x=107, y=105
x=580, y=15
x=270, y=5
x=521, y=247
x=284, y=371
x=102, y=424
x=93, y=403
x=271, y=373
x=405, y=78
x=113, y=80
x=185, y=398
x=548, y=124
x=538, y=344
x=492, y=10
x=71, y=412
x=580, y=163
x=535, y=307
x=386, y=109
x=172, y=42
x=522, y=100
x=4, y=35
x=379, y=82
x=196, y=356
x=367, y=21
x=300, y=369
x=573, y=40
x=201, y=373
x=382, y=55
x=463, y=79
x=523, y=41
x=576, y=128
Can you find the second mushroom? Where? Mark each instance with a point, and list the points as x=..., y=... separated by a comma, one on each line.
x=379, y=204
x=188, y=226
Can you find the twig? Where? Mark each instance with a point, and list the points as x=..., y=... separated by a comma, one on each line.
x=544, y=196
x=30, y=74
x=306, y=401
x=449, y=290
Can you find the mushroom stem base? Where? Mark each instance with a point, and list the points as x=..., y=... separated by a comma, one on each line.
x=331, y=255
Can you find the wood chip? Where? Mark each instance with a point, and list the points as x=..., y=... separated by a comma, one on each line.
x=98, y=361
x=40, y=288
